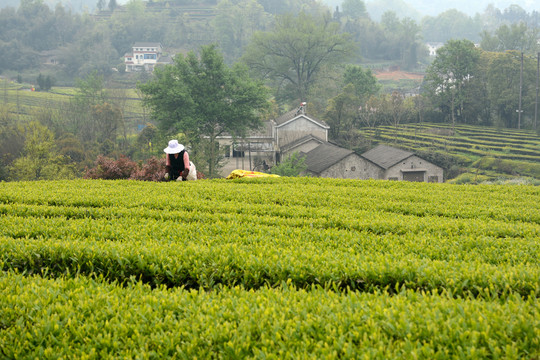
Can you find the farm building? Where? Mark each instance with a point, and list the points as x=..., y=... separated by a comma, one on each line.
x=397, y=164
x=297, y=132
x=331, y=161
x=292, y=132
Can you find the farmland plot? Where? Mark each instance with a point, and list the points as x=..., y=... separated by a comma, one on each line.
x=269, y=268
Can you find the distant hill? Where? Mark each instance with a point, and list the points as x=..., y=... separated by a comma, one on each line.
x=421, y=8
x=76, y=6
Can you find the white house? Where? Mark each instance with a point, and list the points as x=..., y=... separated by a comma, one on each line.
x=433, y=47
x=144, y=57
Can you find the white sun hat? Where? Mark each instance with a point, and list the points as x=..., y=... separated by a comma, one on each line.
x=174, y=147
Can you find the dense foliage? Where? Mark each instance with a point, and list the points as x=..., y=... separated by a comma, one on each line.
x=276, y=267
x=301, y=49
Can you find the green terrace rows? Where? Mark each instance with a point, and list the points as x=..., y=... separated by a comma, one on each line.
x=511, y=145
x=82, y=318
x=479, y=241
x=23, y=101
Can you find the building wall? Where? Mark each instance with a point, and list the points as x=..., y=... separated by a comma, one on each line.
x=353, y=167
x=232, y=162
x=297, y=129
x=414, y=162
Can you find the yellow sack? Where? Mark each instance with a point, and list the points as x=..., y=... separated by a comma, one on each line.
x=235, y=174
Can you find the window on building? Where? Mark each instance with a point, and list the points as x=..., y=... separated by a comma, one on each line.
x=227, y=150
x=238, y=154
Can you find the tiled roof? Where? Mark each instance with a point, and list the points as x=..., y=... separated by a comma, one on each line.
x=324, y=156
x=301, y=141
x=386, y=156
x=286, y=117
x=294, y=114
x=146, y=44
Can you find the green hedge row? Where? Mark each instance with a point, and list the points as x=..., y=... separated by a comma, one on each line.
x=79, y=318
x=362, y=235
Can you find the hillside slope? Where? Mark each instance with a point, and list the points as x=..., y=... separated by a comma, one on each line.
x=467, y=153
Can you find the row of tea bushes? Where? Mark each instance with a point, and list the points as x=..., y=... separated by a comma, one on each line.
x=79, y=318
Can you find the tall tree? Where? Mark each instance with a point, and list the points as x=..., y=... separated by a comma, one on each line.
x=235, y=24
x=40, y=159
x=504, y=86
x=451, y=24
x=204, y=98
x=450, y=76
x=363, y=80
x=342, y=112
x=514, y=37
x=355, y=9
x=296, y=50
x=401, y=39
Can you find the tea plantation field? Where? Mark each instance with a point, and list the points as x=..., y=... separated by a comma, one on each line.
x=276, y=268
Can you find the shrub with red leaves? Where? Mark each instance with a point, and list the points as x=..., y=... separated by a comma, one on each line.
x=111, y=169
x=152, y=170
x=124, y=168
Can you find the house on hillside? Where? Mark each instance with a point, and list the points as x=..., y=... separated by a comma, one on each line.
x=145, y=56
x=433, y=47
x=397, y=164
x=297, y=132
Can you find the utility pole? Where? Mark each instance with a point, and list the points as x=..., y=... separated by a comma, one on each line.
x=537, y=78
x=520, y=91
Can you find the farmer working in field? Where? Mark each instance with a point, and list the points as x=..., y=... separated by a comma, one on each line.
x=176, y=162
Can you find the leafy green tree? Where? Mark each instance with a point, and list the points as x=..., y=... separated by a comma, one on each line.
x=503, y=86
x=364, y=82
x=40, y=160
x=514, y=37
x=235, y=24
x=354, y=8
x=107, y=119
x=44, y=82
x=82, y=118
x=402, y=41
x=274, y=7
x=451, y=24
x=204, y=98
x=450, y=76
x=293, y=54
x=369, y=35
x=11, y=140
x=293, y=165
x=342, y=111
x=395, y=110
x=112, y=5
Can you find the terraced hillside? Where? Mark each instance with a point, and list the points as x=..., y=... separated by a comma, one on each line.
x=279, y=268
x=477, y=153
x=21, y=101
